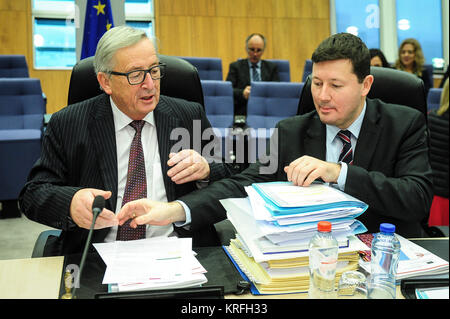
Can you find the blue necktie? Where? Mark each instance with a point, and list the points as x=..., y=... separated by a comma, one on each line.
x=255, y=73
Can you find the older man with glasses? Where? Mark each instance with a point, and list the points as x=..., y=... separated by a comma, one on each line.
x=244, y=71
x=119, y=145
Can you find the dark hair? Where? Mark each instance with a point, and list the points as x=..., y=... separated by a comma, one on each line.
x=379, y=53
x=345, y=46
x=251, y=36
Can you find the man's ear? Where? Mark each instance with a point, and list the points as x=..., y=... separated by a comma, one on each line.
x=367, y=84
x=104, y=81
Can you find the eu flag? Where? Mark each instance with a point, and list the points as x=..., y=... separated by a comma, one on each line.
x=98, y=20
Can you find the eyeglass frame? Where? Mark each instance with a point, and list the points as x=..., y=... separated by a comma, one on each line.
x=160, y=65
x=256, y=50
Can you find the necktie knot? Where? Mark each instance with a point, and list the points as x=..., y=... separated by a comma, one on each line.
x=345, y=135
x=138, y=125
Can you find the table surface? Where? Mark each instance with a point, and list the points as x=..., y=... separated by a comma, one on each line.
x=40, y=278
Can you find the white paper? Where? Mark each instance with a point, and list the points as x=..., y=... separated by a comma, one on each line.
x=160, y=259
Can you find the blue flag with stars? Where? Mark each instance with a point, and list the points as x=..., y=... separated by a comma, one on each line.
x=97, y=21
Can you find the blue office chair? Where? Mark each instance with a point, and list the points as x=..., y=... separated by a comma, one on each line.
x=13, y=66
x=307, y=69
x=22, y=112
x=219, y=108
x=208, y=68
x=434, y=98
x=268, y=103
x=284, y=69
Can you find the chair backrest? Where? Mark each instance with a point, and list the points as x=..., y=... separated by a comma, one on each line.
x=439, y=153
x=219, y=106
x=13, y=66
x=180, y=80
x=284, y=69
x=307, y=69
x=429, y=68
x=434, y=98
x=270, y=102
x=208, y=68
x=389, y=85
x=21, y=104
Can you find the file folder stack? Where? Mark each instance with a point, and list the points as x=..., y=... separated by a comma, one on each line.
x=274, y=225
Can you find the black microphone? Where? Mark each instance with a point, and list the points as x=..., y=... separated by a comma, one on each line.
x=97, y=207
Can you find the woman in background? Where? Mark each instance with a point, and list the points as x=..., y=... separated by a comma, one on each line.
x=412, y=60
x=377, y=58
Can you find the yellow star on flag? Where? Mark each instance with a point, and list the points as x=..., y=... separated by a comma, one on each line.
x=100, y=7
x=108, y=26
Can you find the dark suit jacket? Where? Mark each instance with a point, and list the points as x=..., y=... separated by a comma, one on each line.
x=79, y=151
x=239, y=76
x=391, y=170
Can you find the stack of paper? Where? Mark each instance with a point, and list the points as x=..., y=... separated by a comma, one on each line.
x=274, y=226
x=153, y=263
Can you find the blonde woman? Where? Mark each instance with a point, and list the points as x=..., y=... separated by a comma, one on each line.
x=412, y=60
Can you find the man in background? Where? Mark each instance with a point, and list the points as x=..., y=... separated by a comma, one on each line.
x=244, y=71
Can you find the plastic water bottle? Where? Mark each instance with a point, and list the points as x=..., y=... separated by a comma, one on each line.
x=384, y=261
x=323, y=255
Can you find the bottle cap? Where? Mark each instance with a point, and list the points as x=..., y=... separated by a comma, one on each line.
x=387, y=228
x=324, y=226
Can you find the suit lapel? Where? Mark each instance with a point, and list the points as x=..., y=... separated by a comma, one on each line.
x=102, y=132
x=315, y=140
x=245, y=71
x=368, y=137
x=165, y=122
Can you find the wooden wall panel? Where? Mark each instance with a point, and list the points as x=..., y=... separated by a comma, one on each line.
x=16, y=38
x=217, y=28
x=213, y=28
x=13, y=31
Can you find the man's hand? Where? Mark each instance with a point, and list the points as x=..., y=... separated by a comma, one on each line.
x=81, y=209
x=187, y=166
x=246, y=92
x=146, y=211
x=304, y=170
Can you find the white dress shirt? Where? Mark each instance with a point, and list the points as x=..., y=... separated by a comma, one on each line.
x=155, y=183
x=335, y=144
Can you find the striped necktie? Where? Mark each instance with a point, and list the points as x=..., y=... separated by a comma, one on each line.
x=346, y=152
x=136, y=186
x=255, y=73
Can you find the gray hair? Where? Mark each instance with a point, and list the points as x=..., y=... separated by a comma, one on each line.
x=113, y=40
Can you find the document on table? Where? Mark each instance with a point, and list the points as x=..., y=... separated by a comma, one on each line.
x=153, y=260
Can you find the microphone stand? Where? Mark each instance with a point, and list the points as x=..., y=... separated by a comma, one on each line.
x=98, y=206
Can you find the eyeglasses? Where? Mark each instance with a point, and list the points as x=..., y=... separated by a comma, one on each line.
x=257, y=50
x=138, y=76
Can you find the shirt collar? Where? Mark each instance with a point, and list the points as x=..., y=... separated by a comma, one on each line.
x=258, y=65
x=122, y=120
x=354, y=128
